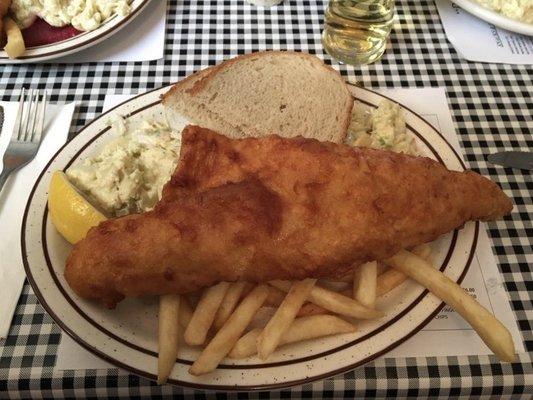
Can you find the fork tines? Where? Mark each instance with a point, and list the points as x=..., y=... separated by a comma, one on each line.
x=30, y=116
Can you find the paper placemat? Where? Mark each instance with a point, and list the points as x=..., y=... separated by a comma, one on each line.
x=477, y=40
x=142, y=39
x=448, y=334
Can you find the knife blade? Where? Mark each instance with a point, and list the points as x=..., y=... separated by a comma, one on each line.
x=513, y=159
x=1, y=119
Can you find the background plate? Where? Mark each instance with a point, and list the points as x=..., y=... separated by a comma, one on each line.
x=127, y=336
x=76, y=43
x=495, y=18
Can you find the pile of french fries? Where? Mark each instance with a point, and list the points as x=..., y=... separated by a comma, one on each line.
x=305, y=310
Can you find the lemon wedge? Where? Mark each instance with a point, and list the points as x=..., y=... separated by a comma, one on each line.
x=71, y=214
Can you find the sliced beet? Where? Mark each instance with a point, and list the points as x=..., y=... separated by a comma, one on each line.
x=41, y=32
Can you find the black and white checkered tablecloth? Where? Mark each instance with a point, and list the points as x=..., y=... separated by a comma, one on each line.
x=492, y=107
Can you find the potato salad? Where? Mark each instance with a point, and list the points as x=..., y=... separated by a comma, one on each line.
x=84, y=15
x=129, y=174
x=521, y=10
x=383, y=128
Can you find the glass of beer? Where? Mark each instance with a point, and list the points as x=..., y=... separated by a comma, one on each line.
x=356, y=31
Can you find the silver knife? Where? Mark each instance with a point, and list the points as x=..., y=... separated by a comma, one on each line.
x=513, y=159
x=1, y=119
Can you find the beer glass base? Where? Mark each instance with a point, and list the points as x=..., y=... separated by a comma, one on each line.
x=350, y=50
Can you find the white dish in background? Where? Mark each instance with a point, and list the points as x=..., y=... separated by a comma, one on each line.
x=76, y=43
x=127, y=336
x=495, y=18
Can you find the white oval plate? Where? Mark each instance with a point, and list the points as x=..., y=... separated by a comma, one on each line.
x=79, y=42
x=127, y=336
x=495, y=18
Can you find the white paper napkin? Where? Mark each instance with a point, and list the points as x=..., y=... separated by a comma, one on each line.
x=449, y=336
x=143, y=39
x=478, y=40
x=13, y=199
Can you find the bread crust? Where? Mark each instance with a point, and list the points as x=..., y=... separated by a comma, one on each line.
x=180, y=85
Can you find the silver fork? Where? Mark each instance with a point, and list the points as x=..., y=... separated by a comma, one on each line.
x=27, y=133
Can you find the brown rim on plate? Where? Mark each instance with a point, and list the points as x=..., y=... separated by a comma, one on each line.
x=247, y=366
x=68, y=50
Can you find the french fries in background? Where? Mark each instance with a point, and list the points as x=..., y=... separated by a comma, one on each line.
x=15, y=42
x=309, y=309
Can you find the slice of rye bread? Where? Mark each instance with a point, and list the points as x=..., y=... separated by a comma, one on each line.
x=179, y=105
x=273, y=92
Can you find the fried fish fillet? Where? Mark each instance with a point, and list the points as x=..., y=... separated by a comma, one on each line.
x=274, y=208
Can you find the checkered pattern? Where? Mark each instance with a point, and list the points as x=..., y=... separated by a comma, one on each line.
x=492, y=108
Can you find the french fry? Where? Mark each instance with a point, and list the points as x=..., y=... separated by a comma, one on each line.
x=185, y=313
x=364, y=283
x=335, y=285
x=168, y=334
x=301, y=329
x=246, y=346
x=230, y=332
x=422, y=251
x=382, y=267
x=275, y=296
x=204, y=315
x=348, y=278
x=309, y=309
x=389, y=280
x=491, y=331
x=333, y=301
x=15, y=42
x=393, y=278
x=248, y=287
x=232, y=297
x=271, y=335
